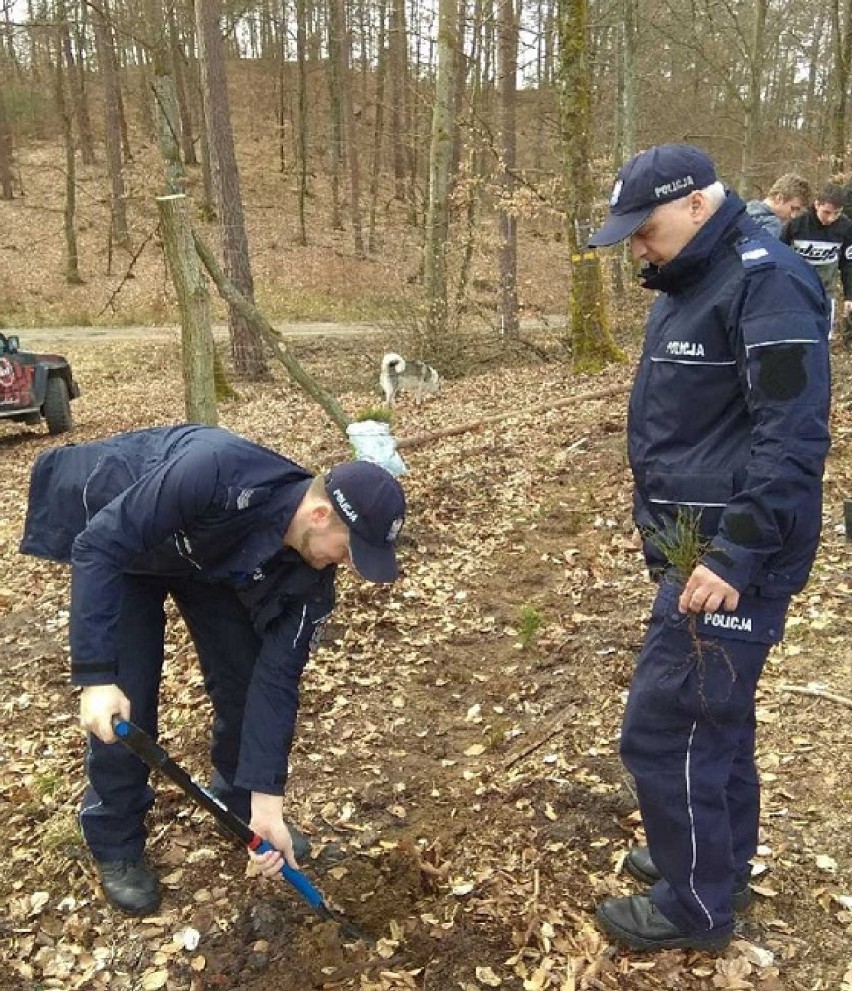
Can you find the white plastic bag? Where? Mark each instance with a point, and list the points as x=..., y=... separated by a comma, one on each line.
x=373, y=441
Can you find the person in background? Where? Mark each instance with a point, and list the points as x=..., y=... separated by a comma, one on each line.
x=727, y=437
x=787, y=198
x=246, y=543
x=822, y=235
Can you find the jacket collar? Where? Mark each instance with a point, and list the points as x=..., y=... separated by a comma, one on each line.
x=688, y=266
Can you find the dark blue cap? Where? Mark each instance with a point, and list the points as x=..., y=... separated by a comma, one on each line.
x=370, y=501
x=651, y=178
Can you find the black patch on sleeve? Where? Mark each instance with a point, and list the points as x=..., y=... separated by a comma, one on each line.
x=781, y=371
x=742, y=529
x=716, y=554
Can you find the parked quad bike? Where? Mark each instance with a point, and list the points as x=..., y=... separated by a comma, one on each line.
x=35, y=387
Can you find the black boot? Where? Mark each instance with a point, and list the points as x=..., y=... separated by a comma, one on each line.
x=639, y=864
x=130, y=885
x=635, y=922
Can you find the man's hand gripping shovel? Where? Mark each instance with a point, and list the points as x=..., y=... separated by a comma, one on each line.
x=155, y=757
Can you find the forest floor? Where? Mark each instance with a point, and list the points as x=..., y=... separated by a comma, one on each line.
x=457, y=743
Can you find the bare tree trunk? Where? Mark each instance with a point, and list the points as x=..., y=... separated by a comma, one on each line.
x=476, y=155
x=145, y=109
x=168, y=129
x=72, y=270
x=9, y=40
x=752, y=104
x=335, y=29
x=631, y=78
x=630, y=117
x=112, y=132
x=126, y=150
x=459, y=86
x=178, y=70
x=207, y=209
x=440, y=159
x=347, y=117
x=280, y=57
x=77, y=88
x=841, y=15
x=194, y=304
x=378, y=125
x=302, y=114
x=813, y=68
x=246, y=344
x=398, y=64
x=591, y=342
x=412, y=119
x=508, y=34
x=6, y=190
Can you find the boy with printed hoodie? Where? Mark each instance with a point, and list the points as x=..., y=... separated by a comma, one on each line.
x=822, y=235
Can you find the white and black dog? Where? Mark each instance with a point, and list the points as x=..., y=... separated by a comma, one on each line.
x=411, y=376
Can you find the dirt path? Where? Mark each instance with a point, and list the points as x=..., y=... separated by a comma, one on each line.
x=53, y=336
x=32, y=337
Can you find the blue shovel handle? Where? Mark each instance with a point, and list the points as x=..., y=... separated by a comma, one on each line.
x=296, y=878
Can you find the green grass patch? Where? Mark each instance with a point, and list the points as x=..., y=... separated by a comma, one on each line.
x=531, y=622
x=379, y=413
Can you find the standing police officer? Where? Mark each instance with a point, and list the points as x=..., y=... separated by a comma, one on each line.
x=246, y=543
x=728, y=423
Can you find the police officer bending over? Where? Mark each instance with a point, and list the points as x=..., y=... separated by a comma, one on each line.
x=728, y=421
x=247, y=544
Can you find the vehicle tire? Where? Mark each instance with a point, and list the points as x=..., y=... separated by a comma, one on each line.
x=57, y=406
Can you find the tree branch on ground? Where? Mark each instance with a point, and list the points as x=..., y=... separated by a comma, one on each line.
x=462, y=428
x=819, y=693
x=252, y=315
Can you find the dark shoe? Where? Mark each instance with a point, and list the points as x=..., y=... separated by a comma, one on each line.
x=130, y=885
x=638, y=864
x=635, y=922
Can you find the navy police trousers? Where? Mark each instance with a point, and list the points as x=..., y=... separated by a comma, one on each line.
x=118, y=796
x=688, y=739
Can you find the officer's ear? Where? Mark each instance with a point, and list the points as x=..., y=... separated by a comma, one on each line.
x=697, y=204
x=321, y=514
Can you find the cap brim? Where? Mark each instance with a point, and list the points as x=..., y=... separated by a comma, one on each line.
x=376, y=564
x=619, y=226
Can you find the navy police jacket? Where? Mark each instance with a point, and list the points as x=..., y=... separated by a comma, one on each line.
x=197, y=503
x=729, y=410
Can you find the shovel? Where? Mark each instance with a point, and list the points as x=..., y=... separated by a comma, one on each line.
x=155, y=757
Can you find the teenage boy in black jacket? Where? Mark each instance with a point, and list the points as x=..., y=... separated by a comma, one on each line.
x=822, y=235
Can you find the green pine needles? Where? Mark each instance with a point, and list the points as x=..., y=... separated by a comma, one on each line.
x=681, y=544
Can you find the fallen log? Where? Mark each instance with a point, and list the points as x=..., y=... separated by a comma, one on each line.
x=463, y=428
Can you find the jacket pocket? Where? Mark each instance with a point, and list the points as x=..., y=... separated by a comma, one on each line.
x=728, y=652
x=699, y=489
